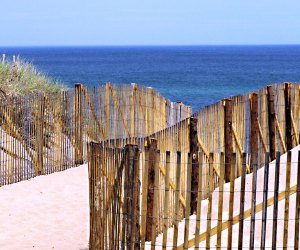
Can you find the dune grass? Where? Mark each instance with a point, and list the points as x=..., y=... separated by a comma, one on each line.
x=22, y=78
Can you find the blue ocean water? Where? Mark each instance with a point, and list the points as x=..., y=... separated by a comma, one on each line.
x=195, y=75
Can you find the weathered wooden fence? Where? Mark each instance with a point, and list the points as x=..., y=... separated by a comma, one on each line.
x=43, y=133
x=137, y=200
x=255, y=123
x=191, y=161
x=112, y=112
x=36, y=136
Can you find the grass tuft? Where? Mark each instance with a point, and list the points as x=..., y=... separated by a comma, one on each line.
x=22, y=78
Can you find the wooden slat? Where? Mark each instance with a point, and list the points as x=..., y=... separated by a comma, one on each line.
x=236, y=139
x=265, y=199
x=173, y=186
x=262, y=138
x=287, y=200
x=231, y=200
x=220, y=201
x=242, y=203
x=203, y=148
x=271, y=120
x=297, y=210
x=276, y=193
x=143, y=112
x=253, y=205
x=176, y=219
x=198, y=216
x=166, y=201
x=134, y=166
x=40, y=135
x=239, y=146
x=295, y=130
x=107, y=111
x=188, y=199
x=280, y=135
x=209, y=206
x=144, y=200
x=78, y=119
x=155, y=200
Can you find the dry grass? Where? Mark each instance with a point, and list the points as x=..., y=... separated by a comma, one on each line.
x=21, y=78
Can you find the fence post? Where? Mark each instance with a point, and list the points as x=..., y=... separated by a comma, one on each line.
x=288, y=118
x=96, y=237
x=40, y=133
x=271, y=120
x=78, y=124
x=228, y=137
x=194, y=149
x=254, y=129
x=152, y=155
x=131, y=200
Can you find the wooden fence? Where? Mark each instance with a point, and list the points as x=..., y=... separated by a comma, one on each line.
x=182, y=165
x=44, y=133
x=255, y=123
x=36, y=135
x=138, y=202
x=117, y=112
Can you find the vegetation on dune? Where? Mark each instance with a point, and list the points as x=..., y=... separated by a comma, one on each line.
x=21, y=78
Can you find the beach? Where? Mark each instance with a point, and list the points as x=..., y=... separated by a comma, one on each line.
x=52, y=211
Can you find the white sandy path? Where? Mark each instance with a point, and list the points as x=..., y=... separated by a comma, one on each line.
x=46, y=212
x=248, y=194
x=52, y=212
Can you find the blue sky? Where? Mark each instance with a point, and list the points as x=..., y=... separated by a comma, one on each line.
x=149, y=22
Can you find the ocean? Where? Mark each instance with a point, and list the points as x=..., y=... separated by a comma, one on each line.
x=194, y=75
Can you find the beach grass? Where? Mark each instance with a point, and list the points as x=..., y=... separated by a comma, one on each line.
x=22, y=78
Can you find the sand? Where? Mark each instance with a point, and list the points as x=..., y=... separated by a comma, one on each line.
x=46, y=212
x=52, y=212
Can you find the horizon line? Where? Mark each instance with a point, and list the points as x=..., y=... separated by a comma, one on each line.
x=145, y=45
